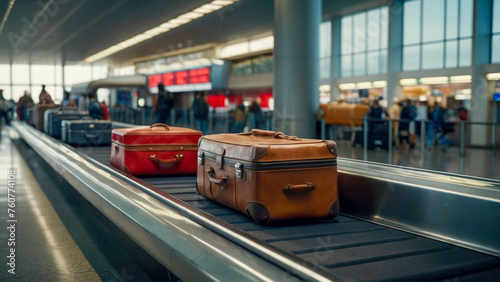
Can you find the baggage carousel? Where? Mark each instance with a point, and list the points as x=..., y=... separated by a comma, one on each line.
x=395, y=223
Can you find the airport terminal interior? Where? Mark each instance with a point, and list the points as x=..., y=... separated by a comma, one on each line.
x=247, y=140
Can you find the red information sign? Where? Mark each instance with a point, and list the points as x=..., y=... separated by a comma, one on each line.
x=199, y=76
x=181, y=77
x=153, y=80
x=169, y=78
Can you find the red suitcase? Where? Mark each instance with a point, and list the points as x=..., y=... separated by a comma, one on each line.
x=158, y=149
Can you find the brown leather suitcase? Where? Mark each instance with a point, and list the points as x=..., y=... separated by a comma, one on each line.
x=269, y=176
x=345, y=114
x=38, y=114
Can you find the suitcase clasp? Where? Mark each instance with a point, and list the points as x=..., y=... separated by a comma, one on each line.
x=200, y=158
x=239, y=170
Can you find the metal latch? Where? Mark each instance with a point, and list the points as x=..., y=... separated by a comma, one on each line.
x=239, y=170
x=200, y=158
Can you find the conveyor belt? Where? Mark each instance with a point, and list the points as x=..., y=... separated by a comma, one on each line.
x=347, y=246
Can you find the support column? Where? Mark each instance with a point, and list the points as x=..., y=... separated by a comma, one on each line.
x=296, y=66
x=395, y=52
x=481, y=51
x=336, y=57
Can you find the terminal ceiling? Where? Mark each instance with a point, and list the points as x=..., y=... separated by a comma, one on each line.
x=71, y=30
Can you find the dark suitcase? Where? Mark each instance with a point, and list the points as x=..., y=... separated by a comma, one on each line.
x=158, y=149
x=86, y=132
x=38, y=114
x=53, y=119
x=378, y=136
x=269, y=176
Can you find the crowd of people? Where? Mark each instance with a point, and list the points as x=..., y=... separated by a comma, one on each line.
x=406, y=115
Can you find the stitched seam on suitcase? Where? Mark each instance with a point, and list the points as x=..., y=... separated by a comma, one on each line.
x=276, y=165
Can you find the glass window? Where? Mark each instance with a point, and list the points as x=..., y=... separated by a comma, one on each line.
x=451, y=54
x=99, y=72
x=411, y=58
x=5, y=74
x=496, y=16
x=451, y=19
x=58, y=92
x=242, y=68
x=360, y=32
x=374, y=30
x=325, y=39
x=324, y=68
x=384, y=27
x=495, y=54
x=432, y=56
x=433, y=20
x=20, y=74
x=42, y=74
x=373, y=62
x=346, y=35
x=346, y=64
x=18, y=91
x=359, y=67
x=411, y=22
x=7, y=94
x=466, y=10
x=465, y=58
x=262, y=64
x=59, y=74
x=383, y=61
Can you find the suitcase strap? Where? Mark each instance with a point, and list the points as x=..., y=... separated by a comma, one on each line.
x=307, y=187
x=271, y=134
x=155, y=159
x=220, y=182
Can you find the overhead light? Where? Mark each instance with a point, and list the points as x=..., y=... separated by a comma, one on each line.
x=191, y=15
x=324, y=88
x=259, y=44
x=6, y=15
x=493, y=76
x=347, y=86
x=167, y=26
x=408, y=81
x=422, y=98
x=434, y=80
x=461, y=79
x=363, y=85
x=379, y=84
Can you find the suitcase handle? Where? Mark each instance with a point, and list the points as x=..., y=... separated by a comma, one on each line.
x=307, y=187
x=273, y=134
x=177, y=159
x=221, y=182
x=158, y=125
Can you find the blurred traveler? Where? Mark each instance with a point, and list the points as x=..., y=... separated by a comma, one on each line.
x=408, y=114
x=44, y=97
x=201, y=110
x=25, y=102
x=3, y=109
x=394, y=113
x=253, y=116
x=376, y=112
x=164, y=104
x=105, y=111
x=95, y=110
x=462, y=112
x=436, y=115
x=240, y=116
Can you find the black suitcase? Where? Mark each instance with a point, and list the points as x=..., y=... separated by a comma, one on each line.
x=53, y=118
x=378, y=136
x=86, y=132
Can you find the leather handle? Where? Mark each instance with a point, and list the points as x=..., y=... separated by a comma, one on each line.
x=273, y=134
x=177, y=159
x=159, y=125
x=299, y=188
x=220, y=182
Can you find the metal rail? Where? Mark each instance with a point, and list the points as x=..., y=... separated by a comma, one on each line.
x=183, y=239
x=456, y=209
